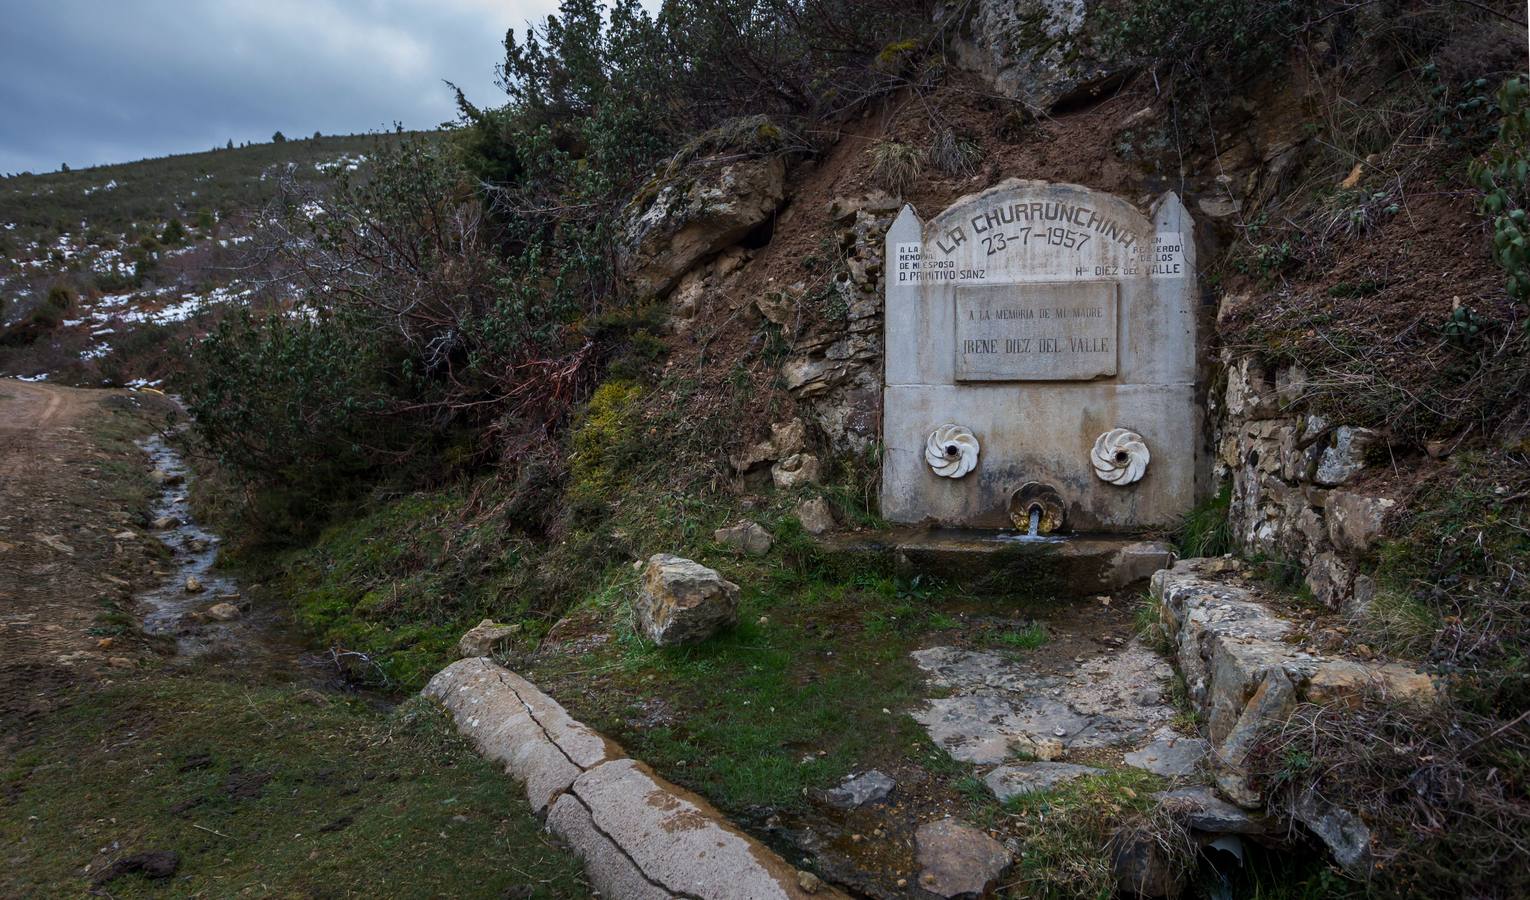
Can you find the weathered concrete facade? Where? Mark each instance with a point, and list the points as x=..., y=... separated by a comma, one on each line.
x=1041, y=317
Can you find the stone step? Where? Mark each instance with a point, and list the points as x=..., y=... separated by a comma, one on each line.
x=1231, y=646
x=1000, y=562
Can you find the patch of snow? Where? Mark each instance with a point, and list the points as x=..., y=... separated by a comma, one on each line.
x=41, y=376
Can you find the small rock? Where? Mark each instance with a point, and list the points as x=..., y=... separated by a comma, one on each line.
x=746, y=537
x=165, y=523
x=958, y=860
x=222, y=612
x=1169, y=755
x=166, y=478
x=1344, y=833
x=1355, y=521
x=684, y=602
x=149, y=864
x=53, y=542
x=194, y=585
x=125, y=536
x=795, y=470
x=808, y=883
x=816, y=516
x=1219, y=207
x=120, y=662
x=1143, y=867
x=105, y=643
x=1036, y=777
x=1047, y=749
x=1200, y=808
x=1345, y=456
x=859, y=790
x=485, y=638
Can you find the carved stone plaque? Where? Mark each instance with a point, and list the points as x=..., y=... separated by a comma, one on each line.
x=1046, y=331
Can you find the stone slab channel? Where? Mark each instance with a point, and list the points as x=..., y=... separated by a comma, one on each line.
x=640, y=836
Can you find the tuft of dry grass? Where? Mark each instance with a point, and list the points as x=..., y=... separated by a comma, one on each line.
x=895, y=165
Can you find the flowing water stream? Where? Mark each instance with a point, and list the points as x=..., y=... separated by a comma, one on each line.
x=253, y=638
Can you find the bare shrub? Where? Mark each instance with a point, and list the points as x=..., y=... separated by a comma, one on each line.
x=954, y=153
x=1441, y=790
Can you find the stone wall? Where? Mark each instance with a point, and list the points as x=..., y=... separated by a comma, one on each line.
x=1298, y=481
x=836, y=368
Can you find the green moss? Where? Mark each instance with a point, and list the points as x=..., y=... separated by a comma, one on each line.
x=603, y=444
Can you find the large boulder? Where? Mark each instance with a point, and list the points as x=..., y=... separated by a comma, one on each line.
x=699, y=205
x=684, y=602
x=1040, y=52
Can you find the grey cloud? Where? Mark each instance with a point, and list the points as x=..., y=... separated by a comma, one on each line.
x=85, y=82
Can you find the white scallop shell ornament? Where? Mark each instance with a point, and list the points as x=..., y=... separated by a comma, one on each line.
x=951, y=451
x=1119, y=456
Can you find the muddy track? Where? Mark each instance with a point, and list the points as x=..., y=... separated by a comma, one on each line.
x=71, y=550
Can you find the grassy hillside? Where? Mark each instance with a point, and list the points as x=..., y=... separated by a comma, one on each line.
x=104, y=271
x=127, y=196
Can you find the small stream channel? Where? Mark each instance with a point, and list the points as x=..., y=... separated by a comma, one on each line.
x=256, y=639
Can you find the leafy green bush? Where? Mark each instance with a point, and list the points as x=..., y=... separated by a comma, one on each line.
x=41, y=320
x=1504, y=177
x=1213, y=41
x=174, y=233
x=294, y=399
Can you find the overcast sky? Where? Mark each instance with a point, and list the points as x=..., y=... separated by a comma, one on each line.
x=98, y=81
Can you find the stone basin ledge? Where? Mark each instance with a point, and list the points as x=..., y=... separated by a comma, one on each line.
x=639, y=835
x=1240, y=670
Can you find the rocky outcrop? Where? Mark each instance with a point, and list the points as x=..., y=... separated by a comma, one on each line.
x=692, y=211
x=1292, y=472
x=684, y=602
x=1040, y=52
x=1246, y=676
x=639, y=835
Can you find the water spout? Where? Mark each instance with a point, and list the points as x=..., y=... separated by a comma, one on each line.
x=1035, y=521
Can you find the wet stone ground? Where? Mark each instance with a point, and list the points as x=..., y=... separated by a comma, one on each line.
x=1092, y=697
x=1089, y=699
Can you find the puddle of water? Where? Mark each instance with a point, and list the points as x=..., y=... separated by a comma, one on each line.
x=1015, y=537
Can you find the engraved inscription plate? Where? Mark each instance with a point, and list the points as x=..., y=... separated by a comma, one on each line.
x=1050, y=331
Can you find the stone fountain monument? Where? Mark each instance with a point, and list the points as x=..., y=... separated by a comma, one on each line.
x=1041, y=364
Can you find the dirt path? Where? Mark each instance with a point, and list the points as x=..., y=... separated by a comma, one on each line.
x=126, y=768
x=72, y=544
